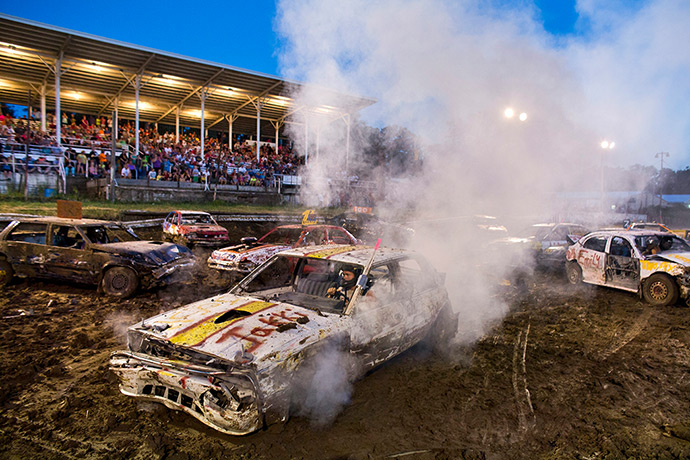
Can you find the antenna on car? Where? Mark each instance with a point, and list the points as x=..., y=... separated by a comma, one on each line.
x=362, y=280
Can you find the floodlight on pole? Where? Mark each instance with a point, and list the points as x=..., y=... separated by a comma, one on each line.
x=605, y=145
x=509, y=113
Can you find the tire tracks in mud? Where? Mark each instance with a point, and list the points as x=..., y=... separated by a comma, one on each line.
x=635, y=329
x=527, y=420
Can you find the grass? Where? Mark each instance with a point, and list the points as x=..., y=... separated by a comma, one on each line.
x=100, y=209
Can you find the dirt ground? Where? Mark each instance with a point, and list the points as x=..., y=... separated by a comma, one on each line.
x=570, y=373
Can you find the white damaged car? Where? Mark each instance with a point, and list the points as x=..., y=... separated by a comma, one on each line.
x=653, y=264
x=233, y=361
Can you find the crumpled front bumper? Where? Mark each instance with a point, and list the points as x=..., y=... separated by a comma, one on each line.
x=176, y=271
x=227, y=402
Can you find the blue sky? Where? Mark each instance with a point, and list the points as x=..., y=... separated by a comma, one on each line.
x=237, y=33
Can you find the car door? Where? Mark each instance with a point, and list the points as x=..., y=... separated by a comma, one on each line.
x=592, y=259
x=26, y=249
x=67, y=256
x=169, y=224
x=622, y=268
x=378, y=319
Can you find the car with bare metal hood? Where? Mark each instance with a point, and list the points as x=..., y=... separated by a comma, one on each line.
x=245, y=257
x=234, y=361
x=194, y=228
x=107, y=254
x=656, y=265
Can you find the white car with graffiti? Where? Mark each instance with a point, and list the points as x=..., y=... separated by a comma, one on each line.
x=653, y=264
x=233, y=361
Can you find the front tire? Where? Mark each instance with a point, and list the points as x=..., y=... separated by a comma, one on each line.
x=573, y=272
x=6, y=272
x=660, y=290
x=120, y=282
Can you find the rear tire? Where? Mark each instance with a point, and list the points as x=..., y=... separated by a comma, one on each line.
x=573, y=272
x=6, y=272
x=120, y=282
x=442, y=331
x=660, y=290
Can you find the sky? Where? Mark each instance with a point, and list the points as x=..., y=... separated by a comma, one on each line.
x=627, y=58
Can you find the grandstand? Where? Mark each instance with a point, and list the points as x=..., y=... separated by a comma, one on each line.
x=77, y=72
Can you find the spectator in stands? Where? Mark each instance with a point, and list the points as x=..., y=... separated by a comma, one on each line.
x=126, y=173
x=81, y=163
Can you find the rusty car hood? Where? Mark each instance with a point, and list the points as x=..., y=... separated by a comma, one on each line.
x=232, y=327
x=204, y=228
x=165, y=251
x=254, y=254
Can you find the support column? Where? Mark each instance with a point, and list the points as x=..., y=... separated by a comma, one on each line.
x=277, y=132
x=231, y=119
x=44, y=125
x=58, y=117
x=177, y=124
x=115, y=123
x=258, y=129
x=201, y=133
x=137, y=85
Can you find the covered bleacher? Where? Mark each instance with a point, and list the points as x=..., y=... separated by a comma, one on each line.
x=56, y=70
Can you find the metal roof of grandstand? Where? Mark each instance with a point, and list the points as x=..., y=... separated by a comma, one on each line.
x=96, y=72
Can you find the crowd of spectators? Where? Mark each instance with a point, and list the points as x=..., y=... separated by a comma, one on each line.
x=160, y=156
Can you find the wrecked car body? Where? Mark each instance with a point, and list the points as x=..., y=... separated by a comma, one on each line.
x=234, y=361
x=245, y=257
x=655, y=265
x=546, y=244
x=89, y=251
x=194, y=228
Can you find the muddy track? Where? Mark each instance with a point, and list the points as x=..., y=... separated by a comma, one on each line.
x=572, y=372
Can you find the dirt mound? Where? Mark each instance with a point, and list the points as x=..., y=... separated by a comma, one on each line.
x=570, y=373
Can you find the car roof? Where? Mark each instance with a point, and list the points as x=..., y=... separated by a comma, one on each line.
x=633, y=232
x=191, y=212
x=63, y=221
x=348, y=254
x=311, y=227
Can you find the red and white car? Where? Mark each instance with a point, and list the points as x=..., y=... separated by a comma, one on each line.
x=245, y=257
x=194, y=228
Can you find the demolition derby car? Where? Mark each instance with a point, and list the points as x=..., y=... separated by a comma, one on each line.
x=193, y=228
x=655, y=264
x=234, y=361
x=89, y=251
x=245, y=257
x=547, y=243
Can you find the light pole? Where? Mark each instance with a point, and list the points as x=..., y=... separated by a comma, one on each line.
x=661, y=156
x=605, y=145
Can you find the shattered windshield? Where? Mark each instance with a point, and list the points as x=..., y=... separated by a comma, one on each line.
x=109, y=233
x=196, y=219
x=657, y=244
x=317, y=284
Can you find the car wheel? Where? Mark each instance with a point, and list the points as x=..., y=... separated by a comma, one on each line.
x=573, y=272
x=120, y=282
x=442, y=330
x=660, y=290
x=6, y=272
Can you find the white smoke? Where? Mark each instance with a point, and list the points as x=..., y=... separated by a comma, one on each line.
x=446, y=70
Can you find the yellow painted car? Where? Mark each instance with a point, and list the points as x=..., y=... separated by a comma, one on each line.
x=653, y=264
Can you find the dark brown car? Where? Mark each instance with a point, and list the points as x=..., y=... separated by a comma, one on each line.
x=103, y=253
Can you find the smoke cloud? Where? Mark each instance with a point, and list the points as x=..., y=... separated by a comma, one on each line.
x=446, y=71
